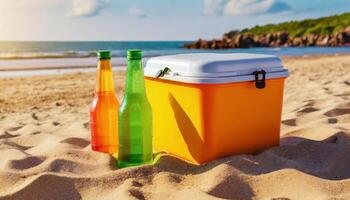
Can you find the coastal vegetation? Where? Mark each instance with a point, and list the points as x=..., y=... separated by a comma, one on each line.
x=326, y=31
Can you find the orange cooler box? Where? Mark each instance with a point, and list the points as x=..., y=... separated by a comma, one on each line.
x=206, y=106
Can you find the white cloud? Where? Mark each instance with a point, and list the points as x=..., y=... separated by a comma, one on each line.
x=243, y=7
x=251, y=7
x=136, y=11
x=87, y=8
x=214, y=7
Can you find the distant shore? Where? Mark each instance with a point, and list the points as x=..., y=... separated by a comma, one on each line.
x=331, y=31
x=237, y=39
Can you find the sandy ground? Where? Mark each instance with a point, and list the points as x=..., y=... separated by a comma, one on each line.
x=45, y=150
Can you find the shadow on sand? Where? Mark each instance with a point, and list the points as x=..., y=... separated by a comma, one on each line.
x=328, y=159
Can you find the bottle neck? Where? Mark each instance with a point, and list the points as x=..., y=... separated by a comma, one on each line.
x=135, y=82
x=104, y=77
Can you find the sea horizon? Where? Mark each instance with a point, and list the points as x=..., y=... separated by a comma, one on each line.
x=84, y=49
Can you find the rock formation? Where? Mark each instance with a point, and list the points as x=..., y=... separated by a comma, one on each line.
x=236, y=39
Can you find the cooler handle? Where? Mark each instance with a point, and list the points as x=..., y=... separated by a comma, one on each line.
x=163, y=72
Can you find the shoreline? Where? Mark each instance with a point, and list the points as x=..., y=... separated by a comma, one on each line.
x=317, y=55
x=6, y=69
x=53, y=63
x=119, y=64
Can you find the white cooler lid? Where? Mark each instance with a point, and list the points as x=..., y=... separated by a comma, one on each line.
x=214, y=68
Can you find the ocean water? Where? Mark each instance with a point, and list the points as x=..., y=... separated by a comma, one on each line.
x=30, y=50
x=41, y=58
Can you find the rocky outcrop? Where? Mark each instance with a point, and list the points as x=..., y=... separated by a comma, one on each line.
x=236, y=39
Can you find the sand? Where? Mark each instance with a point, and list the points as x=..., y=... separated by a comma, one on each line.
x=45, y=149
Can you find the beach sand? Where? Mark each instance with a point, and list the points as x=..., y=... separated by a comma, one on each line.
x=45, y=149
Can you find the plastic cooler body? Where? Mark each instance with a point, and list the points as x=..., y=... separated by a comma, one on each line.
x=208, y=106
x=202, y=122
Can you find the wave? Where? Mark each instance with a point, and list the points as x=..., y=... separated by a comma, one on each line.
x=78, y=54
x=121, y=53
x=43, y=55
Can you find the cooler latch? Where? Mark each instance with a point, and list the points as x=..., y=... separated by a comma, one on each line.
x=260, y=83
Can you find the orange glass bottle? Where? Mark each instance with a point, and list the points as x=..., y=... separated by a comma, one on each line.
x=104, y=109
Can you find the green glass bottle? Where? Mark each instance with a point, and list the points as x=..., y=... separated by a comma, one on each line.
x=135, y=117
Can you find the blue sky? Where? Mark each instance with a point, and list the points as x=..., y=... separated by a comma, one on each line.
x=149, y=19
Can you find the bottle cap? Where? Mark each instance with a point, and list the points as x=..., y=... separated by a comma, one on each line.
x=104, y=55
x=134, y=54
